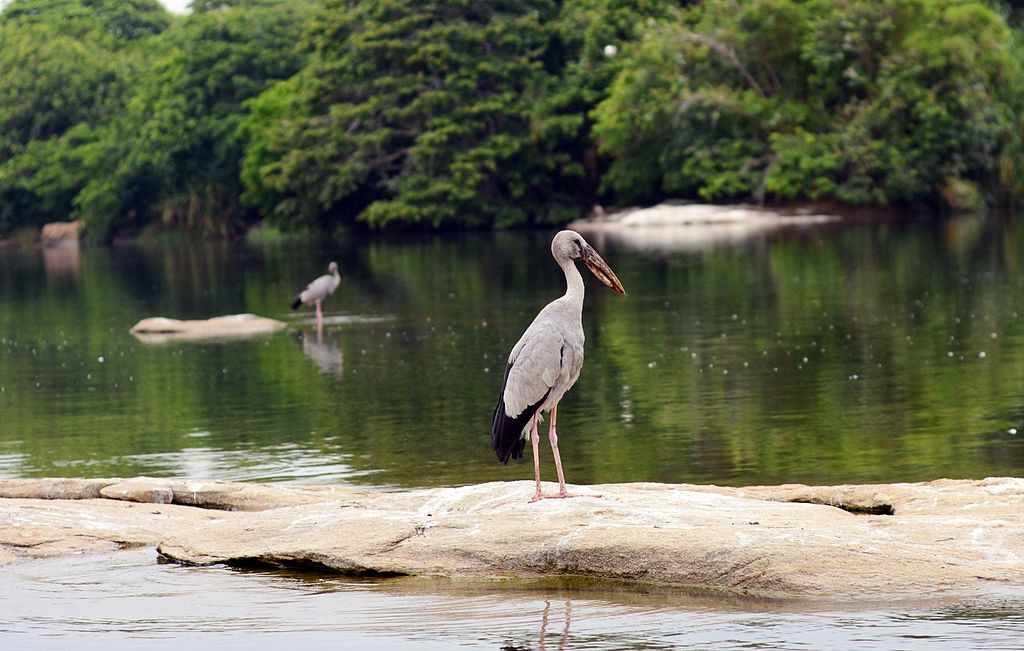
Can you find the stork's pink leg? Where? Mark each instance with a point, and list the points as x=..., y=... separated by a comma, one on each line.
x=535, y=440
x=319, y=317
x=553, y=438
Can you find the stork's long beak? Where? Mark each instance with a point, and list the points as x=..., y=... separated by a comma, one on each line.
x=600, y=268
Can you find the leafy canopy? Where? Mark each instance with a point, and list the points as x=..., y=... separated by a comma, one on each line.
x=67, y=68
x=175, y=152
x=859, y=101
x=414, y=112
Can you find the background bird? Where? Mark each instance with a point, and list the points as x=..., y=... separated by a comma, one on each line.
x=317, y=291
x=547, y=361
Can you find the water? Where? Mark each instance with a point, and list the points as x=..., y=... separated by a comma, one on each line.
x=862, y=353
x=127, y=600
x=835, y=354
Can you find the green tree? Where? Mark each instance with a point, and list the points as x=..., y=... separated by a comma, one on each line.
x=416, y=112
x=859, y=101
x=112, y=22
x=175, y=153
x=584, y=54
x=68, y=67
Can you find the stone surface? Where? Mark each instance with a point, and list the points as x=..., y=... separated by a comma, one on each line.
x=688, y=227
x=60, y=233
x=948, y=537
x=159, y=329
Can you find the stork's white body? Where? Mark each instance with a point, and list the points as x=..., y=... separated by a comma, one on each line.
x=316, y=291
x=547, y=360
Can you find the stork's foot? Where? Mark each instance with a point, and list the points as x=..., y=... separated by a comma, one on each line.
x=555, y=496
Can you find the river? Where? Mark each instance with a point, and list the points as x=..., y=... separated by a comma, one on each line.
x=837, y=353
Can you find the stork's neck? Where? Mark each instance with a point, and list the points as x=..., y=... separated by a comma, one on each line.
x=573, y=282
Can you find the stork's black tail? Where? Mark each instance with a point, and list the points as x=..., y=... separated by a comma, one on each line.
x=296, y=303
x=507, y=431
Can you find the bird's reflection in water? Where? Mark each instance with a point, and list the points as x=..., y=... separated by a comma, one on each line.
x=563, y=643
x=326, y=354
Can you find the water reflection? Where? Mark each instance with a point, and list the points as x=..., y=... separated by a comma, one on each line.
x=124, y=599
x=563, y=642
x=326, y=355
x=839, y=354
x=62, y=262
x=280, y=463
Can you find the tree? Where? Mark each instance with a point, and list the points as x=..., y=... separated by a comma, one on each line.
x=408, y=111
x=861, y=101
x=67, y=68
x=585, y=54
x=110, y=22
x=176, y=152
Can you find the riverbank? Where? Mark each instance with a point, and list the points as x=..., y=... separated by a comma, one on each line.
x=942, y=538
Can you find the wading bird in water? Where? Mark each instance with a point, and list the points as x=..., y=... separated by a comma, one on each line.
x=317, y=291
x=547, y=361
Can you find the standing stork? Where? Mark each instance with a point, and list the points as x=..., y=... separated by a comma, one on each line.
x=317, y=291
x=547, y=361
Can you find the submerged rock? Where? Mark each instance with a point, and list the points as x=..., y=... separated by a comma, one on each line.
x=945, y=537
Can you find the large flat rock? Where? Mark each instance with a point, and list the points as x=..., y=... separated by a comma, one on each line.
x=158, y=329
x=672, y=227
x=941, y=538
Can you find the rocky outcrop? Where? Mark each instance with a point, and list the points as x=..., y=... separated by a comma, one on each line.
x=675, y=227
x=60, y=234
x=944, y=537
x=159, y=329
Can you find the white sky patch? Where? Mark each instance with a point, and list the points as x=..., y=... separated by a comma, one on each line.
x=174, y=6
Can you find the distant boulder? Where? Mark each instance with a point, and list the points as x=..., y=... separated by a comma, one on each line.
x=61, y=233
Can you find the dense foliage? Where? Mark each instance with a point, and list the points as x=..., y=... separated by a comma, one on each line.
x=67, y=70
x=174, y=152
x=452, y=112
x=119, y=114
x=862, y=102
x=437, y=112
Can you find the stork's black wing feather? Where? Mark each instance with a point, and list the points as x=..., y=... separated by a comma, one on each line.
x=507, y=431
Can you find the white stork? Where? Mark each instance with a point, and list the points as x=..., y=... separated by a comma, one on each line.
x=317, y=291
x=547, y=361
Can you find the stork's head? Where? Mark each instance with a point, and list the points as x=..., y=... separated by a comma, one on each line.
x=332, y=268
x=570, y=245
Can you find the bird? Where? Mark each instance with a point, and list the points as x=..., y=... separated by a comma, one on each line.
x=317, y=291
x=546, y=361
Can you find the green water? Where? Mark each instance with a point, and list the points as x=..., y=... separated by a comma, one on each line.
x=835, y=354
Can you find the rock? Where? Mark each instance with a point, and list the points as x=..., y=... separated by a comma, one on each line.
x=670, y=227
x=35, y=528
x=231, y=496
x=682, y=214
x=954, y=538
x=217, y=495
x=142, y=489
x=60, y=234
x=54, y=489
x=159, y=329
